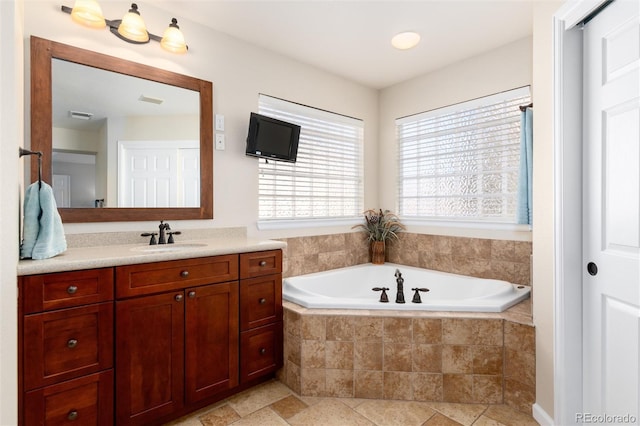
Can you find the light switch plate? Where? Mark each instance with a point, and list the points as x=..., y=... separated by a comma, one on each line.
x=220, y=142
x=220, y=122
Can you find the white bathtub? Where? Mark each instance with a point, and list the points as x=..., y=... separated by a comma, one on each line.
x=351, y=288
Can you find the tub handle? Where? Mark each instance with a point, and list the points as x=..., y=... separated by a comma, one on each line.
x=416, y=295
x=383, y=296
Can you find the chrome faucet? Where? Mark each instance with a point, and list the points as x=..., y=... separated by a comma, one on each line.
x=400, y=285
x=163, y=227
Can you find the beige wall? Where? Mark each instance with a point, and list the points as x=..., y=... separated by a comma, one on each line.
x=543, y=194
x=507, y=67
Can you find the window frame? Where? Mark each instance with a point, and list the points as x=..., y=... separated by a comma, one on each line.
x=288, y=110
x=523, y=96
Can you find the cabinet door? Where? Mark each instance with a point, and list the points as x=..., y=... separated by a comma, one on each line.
x=260, y=301
x=211, y=340
x=261, y=351
x=149, y=357
x=87, y=400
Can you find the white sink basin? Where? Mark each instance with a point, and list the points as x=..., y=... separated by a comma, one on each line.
x=160, y=248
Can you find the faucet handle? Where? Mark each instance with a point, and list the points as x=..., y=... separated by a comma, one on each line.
x=153, y=241
x=171, y=234
x=383, y=296
x=416, y=295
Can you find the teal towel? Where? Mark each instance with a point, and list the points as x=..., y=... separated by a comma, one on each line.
x=43, y=235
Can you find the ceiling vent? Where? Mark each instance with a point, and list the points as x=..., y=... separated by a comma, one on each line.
x=151, y=100
x=80, y=115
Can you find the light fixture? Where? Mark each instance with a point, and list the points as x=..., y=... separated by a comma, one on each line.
x=405, y=40
x=173, y=39
x=130, y=28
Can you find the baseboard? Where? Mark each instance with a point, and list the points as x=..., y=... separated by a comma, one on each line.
x=541, y=416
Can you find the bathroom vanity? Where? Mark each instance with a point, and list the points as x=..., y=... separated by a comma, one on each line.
x=147, y=336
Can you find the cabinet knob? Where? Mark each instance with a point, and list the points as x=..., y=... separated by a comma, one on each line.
x=73, y=414
x=184, y=274
x=263, y=351
x=262, y=301
x=178, y=297
x=72, y=289
x=263, y=263
x=192, y=294
x=72, y=343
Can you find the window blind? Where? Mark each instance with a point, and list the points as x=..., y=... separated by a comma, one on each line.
x=326, y=180
x=461, y=162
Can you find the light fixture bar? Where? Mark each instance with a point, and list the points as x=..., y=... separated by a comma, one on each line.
x=114, y=25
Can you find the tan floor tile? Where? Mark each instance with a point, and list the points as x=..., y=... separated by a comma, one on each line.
x=311, y=400
x=464, y=414
x=404, y=413
x=221, y=416
x=288, y=407
x=329, y=412
x=509, y=416
x=265, y=416
x=440, y=420
x=486, y=421
x=258, y=397
x=352, y=402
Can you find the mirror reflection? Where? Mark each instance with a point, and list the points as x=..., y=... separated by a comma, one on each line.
x=122, y=141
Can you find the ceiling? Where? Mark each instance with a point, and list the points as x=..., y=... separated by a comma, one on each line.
x=352, y=38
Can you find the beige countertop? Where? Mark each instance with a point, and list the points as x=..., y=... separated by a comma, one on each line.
x=76, y=258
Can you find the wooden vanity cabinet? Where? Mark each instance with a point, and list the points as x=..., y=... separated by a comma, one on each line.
x=177, y=347
x=66, y=348
x=146, y=343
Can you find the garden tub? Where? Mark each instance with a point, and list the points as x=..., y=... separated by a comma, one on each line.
x=352, y=288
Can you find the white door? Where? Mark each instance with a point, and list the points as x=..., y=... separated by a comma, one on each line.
x=189, y=169
x=148, y=178
x=611, y=222
x=61, y=185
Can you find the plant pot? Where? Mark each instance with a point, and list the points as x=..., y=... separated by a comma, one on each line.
x=377, y=252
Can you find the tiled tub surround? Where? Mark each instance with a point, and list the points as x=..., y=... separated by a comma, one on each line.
x=420, y=356
x=482, y=258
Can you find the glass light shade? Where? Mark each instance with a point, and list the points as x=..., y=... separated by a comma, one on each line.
x=406, y=40
x=88, y=13
x=173, y=39
x=132, y=27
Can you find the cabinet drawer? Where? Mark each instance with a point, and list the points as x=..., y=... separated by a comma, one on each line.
x=134, y=280
x=260, y=301
x=260, y=263
x=66, y=289
x=67, y=343
x=86, y=401
x=261, y=351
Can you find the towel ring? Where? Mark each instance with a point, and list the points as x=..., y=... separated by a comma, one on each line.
x=23, y=151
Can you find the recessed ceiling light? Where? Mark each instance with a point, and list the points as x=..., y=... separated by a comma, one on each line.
x=406, y=40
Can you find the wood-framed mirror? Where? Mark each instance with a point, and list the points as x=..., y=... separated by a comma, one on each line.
x=108, y=203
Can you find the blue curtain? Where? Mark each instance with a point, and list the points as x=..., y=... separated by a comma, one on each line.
x=525, y=181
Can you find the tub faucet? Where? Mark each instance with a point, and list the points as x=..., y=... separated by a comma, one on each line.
x=400, y=285
x=163, y=227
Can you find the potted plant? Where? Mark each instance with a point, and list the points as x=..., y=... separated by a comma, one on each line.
x=380, y=226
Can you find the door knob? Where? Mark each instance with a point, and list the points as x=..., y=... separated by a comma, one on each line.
x=592, y=268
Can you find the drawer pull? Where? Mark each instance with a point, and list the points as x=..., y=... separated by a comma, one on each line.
x=72, y=343
x=72, y=289
x=184, y=274
x=73, y=415
x=178, y=297
x=263, y=263
x=192, y=294
x=262, y=301
x=263, y=351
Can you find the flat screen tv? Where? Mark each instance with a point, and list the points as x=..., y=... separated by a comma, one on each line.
x=272, y=139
